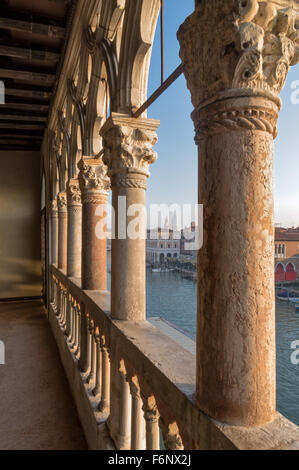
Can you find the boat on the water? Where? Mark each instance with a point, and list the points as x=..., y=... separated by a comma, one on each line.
x=286, y=296
x=297, y=307
x=156, y=270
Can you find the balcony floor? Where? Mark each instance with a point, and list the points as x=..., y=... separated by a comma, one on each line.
x=37, y=411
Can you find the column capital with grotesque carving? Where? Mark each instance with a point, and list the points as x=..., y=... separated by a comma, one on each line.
x=52, y=208
x=74, y=193
x=128, y=149
x=62, y=202
x=239, y=48
x=93, y=179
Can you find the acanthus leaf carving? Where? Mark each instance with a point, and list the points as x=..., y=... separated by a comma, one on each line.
x=239, y=44
x=268, y=40
x=128, y=153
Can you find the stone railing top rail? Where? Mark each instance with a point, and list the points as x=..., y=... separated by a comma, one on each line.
x=167, y=370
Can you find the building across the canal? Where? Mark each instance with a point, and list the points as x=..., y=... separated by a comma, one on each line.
x=286, y=254
x=162, y=244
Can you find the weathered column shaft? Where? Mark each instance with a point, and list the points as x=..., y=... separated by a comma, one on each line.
x=74, y=243
x=128, y=153
x=95, y=187
x=62, y=231
x=236, y=56
x=236, y=308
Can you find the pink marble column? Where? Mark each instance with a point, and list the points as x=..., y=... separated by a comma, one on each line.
x=74, y=243
x=236, y=56
x=128, y=154
x=95, y=187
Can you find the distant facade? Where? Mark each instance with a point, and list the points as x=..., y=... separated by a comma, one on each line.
x=286, y=242
x=162, y=244
x=286, y=254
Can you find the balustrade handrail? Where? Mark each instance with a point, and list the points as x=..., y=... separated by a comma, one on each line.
x=164, y=370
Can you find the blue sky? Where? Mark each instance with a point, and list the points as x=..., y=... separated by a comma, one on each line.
x=174, y=175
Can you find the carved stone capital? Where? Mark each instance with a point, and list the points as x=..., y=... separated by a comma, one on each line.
x=240, y=46
x=74, y=193
x=62, y=202
x=128, y=149
x=52, y=206
x=93, y=178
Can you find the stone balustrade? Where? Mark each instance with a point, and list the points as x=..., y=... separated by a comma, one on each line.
x=134, y=387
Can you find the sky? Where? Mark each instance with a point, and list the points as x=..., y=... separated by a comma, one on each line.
x=174, y=175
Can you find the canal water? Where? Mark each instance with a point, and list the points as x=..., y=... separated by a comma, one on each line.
x=173, y=298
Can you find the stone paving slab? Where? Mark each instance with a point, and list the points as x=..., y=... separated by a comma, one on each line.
x=37, y=411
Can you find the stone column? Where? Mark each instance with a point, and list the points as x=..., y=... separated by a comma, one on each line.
x=74, y=234
x=128, y=153
x=54, y=232
x=236, y=56
x=95, y=186
x=62, y=231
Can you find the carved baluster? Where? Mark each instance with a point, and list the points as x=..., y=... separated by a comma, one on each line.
x=77, y=348
x=98, y=388
x=138, y=423
x=55, y=294
x=64, y=300
x=68, y=314
x=104, y=405
x=151, y=416
x=93, y=354
x=54, y=290
x=72, y=323
x=124, y=436
x=60, y=303
x=85, y=349
x=70, y=319
x=171, y=436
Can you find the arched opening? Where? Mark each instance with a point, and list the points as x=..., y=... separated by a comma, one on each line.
x=280, y=274
x=290, y=274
